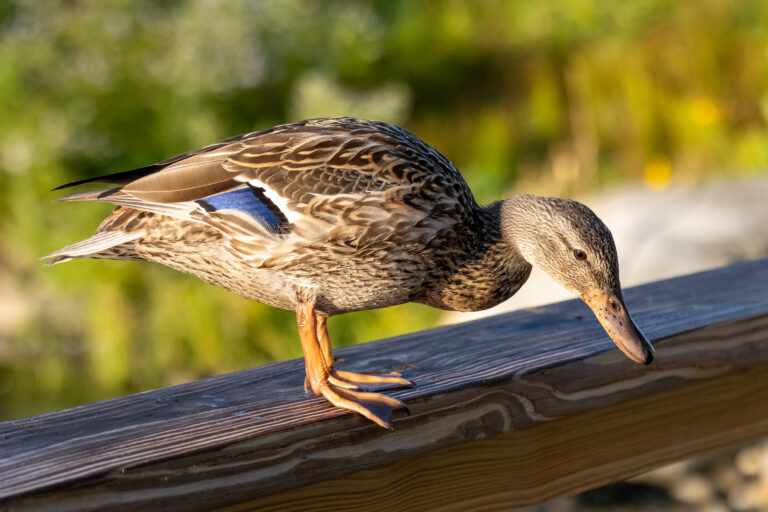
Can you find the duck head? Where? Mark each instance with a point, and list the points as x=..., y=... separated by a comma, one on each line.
x=571, y=244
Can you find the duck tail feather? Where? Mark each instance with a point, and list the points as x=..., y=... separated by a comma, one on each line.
x=117, y=197
x=118, y=178
x=91, y=246
x=89, y=195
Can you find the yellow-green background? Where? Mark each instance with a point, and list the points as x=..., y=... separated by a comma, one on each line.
x=547, y=96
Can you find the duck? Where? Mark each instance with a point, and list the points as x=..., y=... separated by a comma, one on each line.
x=335, y=215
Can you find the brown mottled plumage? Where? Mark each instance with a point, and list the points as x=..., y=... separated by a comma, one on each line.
x=329, y=216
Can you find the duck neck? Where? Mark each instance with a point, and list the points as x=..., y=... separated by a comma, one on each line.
x=487, y=271
x=500, y=255
x=521, y=224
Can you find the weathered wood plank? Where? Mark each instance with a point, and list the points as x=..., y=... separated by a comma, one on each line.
x=556, y=458
x=251, y=434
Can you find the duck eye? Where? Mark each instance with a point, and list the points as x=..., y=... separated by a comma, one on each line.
x=580, y=255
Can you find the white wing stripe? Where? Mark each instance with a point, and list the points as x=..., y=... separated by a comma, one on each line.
x=281, y=202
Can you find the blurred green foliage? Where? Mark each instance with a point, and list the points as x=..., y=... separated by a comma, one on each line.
x=554, y=97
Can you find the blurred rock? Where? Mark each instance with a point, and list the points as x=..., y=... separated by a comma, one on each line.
x=693, y=489
x=750, y=461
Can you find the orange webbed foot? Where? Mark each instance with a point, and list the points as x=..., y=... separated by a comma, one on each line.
x=364, y=381
x=346, y=390
x=374, y=406
x=369, y=382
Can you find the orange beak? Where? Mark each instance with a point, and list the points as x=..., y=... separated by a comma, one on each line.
x=610, y=310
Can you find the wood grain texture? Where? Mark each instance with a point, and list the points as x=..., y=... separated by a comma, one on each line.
x=567, y=410
x=557, y=458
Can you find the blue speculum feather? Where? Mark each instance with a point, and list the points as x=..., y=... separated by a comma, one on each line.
x=245, y=200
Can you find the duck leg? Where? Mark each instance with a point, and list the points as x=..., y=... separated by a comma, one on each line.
x=374, y=406
x=350, y=380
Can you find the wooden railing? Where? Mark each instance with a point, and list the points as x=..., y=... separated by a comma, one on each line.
x=507, y=411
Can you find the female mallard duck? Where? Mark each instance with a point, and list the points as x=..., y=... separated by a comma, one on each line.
x=329, y=216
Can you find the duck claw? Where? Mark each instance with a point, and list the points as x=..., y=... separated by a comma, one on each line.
x=374, y=406
x=369, y=382
x=347, y=390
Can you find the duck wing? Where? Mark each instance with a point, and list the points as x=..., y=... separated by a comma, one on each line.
x=341, y=181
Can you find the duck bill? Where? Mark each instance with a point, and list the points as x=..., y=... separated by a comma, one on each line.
x=610, y=310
